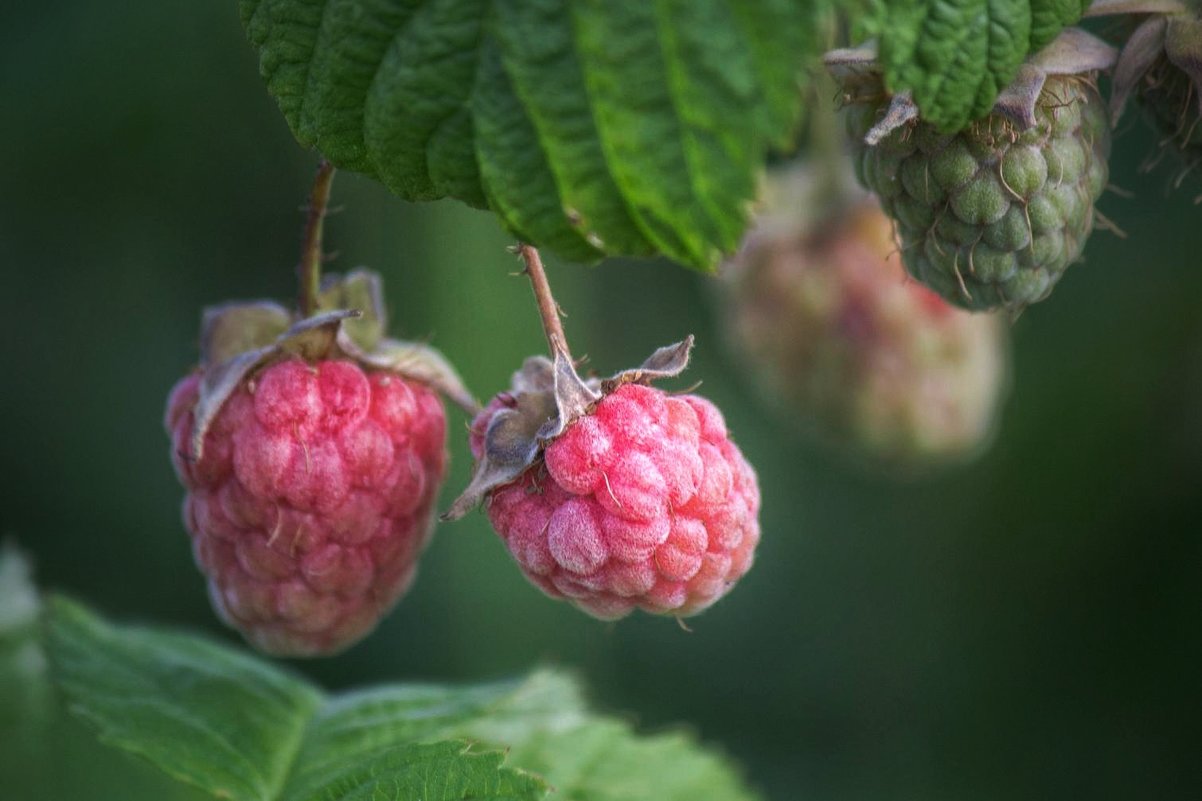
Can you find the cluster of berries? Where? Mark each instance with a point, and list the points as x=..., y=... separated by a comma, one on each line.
x=864, y=317
x=312, y=448
x=990, y=216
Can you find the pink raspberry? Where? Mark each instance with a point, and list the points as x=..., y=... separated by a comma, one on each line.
x=846, y=347
x=644, y=502
x=312, y=498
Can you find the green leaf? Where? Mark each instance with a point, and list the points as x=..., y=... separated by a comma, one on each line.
x=238, y=728
x=605, y=761
x=378, y=721
x=208, y=716
x=1049, y=17
x=507, y=145
x=955, y=56
x=591, y=128
x=444, y=771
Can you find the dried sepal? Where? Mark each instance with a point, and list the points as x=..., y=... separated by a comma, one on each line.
x=667, y=362
x=239, y=338
x=415, y=360
x=544, y=398
x=573, y=397
x=537, y=375
x=359, y=289
x=312, y=338
x=515, y=433
x=1073, y=52
x=855, y=68
x=217, y=384
x=902, y=110
x=1139, y=54
x=511, y=445
x=229, y=329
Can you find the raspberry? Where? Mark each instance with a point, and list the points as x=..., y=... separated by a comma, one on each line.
x=846, y=346
x=640, y=501
x=992, y=215
x=311, y=466
x=312, y=499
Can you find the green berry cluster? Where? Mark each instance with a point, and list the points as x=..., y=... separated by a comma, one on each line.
x=992, y=215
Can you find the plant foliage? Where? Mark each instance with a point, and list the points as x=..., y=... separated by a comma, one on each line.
x=956, y=55
x=239, y=728
x=592, y=128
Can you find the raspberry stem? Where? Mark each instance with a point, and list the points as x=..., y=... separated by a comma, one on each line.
x=308, y=270
x=548, y=309
x=827, y=144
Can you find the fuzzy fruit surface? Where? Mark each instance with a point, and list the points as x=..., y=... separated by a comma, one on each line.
x=991, y=216
x=312, y=500
x=644, y=503
x=849, y=348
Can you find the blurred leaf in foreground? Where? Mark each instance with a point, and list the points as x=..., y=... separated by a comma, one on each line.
x=239, y=728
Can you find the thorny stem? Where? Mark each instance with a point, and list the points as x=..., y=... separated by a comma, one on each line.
x=547, y=308
x=308, y=270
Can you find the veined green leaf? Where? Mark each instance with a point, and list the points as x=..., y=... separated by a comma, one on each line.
x=956, y=55
x=593, y=128
x=1049, y=17
x=239, y=728
x=605, y=761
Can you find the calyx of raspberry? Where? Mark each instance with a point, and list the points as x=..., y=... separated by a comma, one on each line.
x=544, y=398
x=1073, y=52
x=241, y=337
x=1172, y=33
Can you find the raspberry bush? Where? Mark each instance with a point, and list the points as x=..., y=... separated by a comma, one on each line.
x=313, y=448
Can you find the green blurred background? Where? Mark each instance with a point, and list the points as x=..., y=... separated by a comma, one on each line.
x=1027, y=627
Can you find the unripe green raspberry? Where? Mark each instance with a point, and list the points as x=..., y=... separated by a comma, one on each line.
x=989, y=216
